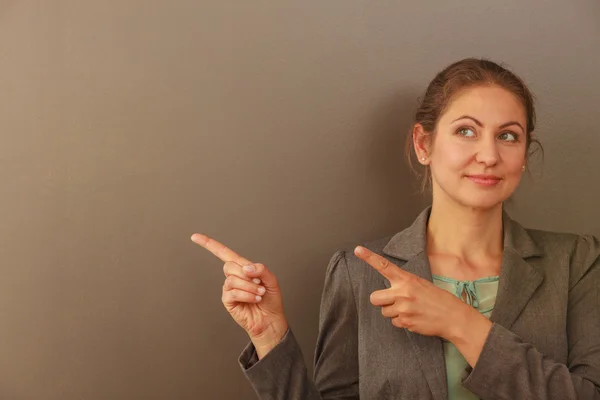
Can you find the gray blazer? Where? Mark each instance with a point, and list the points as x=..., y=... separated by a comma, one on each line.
x=544, y=343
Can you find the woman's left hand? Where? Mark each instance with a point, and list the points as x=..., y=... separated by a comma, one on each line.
x=415, y=303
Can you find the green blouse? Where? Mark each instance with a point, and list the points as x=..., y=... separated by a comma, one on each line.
x=481, y=294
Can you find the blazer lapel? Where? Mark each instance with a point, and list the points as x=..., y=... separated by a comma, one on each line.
x=518, y=279
x=410, y=245
x=429, y=350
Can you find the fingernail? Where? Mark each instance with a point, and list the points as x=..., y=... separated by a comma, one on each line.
x=261, y=290
x=249, y=268
x=256, y=280
x=258, y=298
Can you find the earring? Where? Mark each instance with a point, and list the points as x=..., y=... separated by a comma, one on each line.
x=523, y=168
x=422, y=158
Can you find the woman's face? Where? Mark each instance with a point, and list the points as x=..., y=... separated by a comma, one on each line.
x=479, y=148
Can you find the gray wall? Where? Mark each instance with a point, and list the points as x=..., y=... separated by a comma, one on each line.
x=127, y=126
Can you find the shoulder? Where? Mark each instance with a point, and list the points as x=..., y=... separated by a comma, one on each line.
x=580, y=253
x=357, y=269
x=567, y=243
x=552, y=241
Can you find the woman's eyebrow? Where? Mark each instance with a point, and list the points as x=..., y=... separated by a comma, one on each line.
x=504, y=125
x=469, y=117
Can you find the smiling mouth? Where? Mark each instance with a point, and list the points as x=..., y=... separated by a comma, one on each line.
x=484, y=180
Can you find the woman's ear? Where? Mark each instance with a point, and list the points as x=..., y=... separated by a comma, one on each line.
x=421, y=141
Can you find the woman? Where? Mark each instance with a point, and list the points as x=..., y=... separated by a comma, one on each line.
x=465, y=303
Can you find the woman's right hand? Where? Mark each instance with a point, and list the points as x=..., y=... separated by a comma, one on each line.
x=250, y=295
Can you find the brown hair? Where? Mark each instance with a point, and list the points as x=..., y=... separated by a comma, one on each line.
x=456, y=77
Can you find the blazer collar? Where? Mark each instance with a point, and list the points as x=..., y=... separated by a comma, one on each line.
x=408, y=243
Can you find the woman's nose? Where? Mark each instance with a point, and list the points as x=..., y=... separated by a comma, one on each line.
x=487, y=151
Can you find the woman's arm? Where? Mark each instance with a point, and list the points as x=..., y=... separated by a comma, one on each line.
x=282, y=374
x=505, y=367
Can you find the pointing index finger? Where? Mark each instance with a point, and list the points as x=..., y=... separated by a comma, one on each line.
x=223, y=252
x=381, y=264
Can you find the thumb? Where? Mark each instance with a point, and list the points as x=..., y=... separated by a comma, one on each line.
x=258, y=270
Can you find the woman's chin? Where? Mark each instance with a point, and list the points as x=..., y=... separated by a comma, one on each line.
x=481, y=202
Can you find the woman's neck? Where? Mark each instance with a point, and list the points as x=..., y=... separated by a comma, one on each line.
x=464, y=232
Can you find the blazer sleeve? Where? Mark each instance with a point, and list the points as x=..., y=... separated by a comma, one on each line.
x=282, y=373
x=509, y=368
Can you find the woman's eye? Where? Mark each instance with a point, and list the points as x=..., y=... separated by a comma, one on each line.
x=508, y=136
x=466, y=132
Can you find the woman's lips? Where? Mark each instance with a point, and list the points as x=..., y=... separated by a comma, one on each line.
x=485, y=180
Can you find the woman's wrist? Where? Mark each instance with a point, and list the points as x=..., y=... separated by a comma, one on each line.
x=461, y=320
x=269, y=339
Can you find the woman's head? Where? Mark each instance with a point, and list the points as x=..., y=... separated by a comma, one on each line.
x=473, y=132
